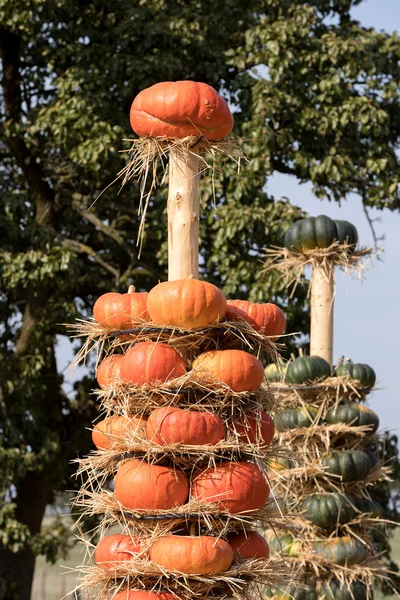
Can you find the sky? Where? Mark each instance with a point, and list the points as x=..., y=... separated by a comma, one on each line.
x=367, y=321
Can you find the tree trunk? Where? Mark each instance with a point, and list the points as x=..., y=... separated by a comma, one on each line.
x=17, y=569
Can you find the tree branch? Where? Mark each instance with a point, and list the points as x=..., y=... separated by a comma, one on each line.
x=80, y=248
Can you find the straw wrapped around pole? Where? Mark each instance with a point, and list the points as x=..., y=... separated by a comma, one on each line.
x=322, y=302
x=183, y=214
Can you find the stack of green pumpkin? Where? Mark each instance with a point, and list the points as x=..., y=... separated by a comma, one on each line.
x=332, y=503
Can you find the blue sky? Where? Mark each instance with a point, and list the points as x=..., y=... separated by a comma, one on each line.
x=367, y=323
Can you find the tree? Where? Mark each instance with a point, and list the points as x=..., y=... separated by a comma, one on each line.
x=326, y=111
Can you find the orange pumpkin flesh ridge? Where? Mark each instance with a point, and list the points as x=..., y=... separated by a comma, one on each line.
x=255, y=428
x=248, y=545
x=151, y=363
x=108, y=431
x=144, y=595
x=109, y=370
x=239, y=370
x=116, y=548
x=267, y=318
x=176, y=109
x=204, y=555
x=172, y=425
x=121, y=311
x=139, y=485
x=186, y=303
x=236, y=487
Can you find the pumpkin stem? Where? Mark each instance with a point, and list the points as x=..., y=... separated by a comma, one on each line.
x=293, y=356
x=301, y=353
x=192, y=529
x=131, y=289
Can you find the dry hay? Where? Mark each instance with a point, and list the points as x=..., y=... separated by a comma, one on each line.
x=329, y=391
x=184, y=392
x=292, y=264
x=207, y=515
x=217, y=336
x=242, y=577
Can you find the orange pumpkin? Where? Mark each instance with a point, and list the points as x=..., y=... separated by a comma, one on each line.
x=151, y=362
x=172, y=425
x=143, y=595
x=121, y=311
x=239, y=370
x=186, y=303
x=109, y=370
x=233, y=486
x=106, y=432
x=176, y=109
x=249, y=544
x=116, y=548
x=203, y=555
x=267, y=318
x=255, y=428
x=140, y=485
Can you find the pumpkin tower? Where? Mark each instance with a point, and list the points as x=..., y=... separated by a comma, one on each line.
x=179, y=482
x=326, y=423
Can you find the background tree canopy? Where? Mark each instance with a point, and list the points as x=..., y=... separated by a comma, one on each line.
x=315, y=95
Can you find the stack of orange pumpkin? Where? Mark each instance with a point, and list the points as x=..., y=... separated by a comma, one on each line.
x=231, y=486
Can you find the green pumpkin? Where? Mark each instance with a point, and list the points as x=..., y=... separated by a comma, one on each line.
x=319, y=232
x=275, y=372
x=295, y=418
x=353, y=414
x=350, y=465
x=335, y=590
x=327, y=510
x=341, y=550
x=280, y=464
x=370, y=507
x=364, y=374
x=372, y=457
x=291, y=592
x=305, y=369
x=286, y=545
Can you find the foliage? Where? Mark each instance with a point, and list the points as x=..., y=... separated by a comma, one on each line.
x=324, y=108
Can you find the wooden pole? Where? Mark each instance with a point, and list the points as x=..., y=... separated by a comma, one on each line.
x=183, y=214
x=322, y=300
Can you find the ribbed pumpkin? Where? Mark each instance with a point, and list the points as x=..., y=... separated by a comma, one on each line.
x=203, y=555
x=233, y=486
x=248, y=545
x=336, y=590
x=116, y=548
x=139, y=485
x=327, y=510
x=121, y=311
x=346, y=466
x=108, y=431
x=353, y=414
x=370, y=507
x=341, y=550
x=294, y=418
x=151, y=363
x=286, y=545
x=239, y=370
x=364, y=374
x=267, y=318
x=305, y=369
x=172, y=425
x=186, y=303
x=109, y=370
x=275, y=372
x=255, y=428
x=319, y=232
x=176, y=109
x=143, y=595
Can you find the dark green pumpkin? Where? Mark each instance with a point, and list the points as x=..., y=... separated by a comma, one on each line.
x=305, y=369
x=353, y=414
x=295, y=418
x=280, y=464
x=291, y=592
x=319, y=232
x=364, y=374
x=328, y=510
x=341, y=550
x=370, y=507
x=373, y=458
x=286, y=545
x=350, y=465
x=335, y=590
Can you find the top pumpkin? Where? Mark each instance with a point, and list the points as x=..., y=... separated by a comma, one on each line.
x=319, y=232
x=176, y=109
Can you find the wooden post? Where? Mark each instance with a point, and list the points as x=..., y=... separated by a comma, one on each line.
x=322, y=300
x=183, y=214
